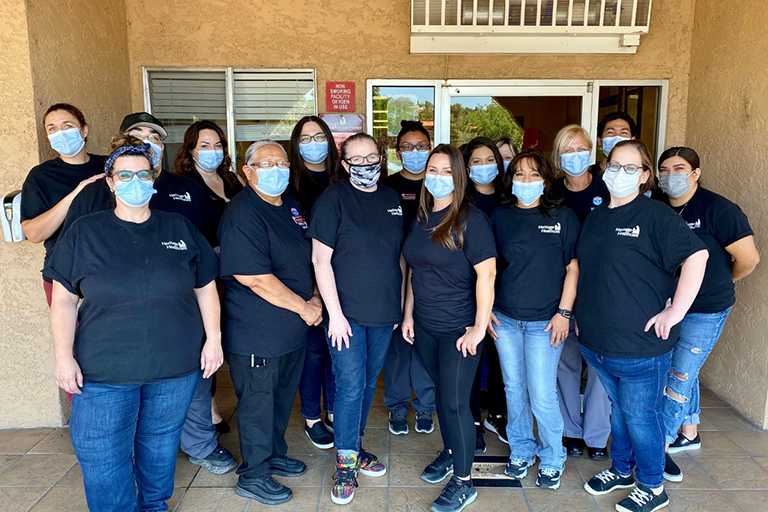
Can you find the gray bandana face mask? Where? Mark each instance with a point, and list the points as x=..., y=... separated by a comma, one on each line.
x=365, y=176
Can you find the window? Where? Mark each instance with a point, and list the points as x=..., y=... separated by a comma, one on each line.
x=248, y=104
x=642, y=105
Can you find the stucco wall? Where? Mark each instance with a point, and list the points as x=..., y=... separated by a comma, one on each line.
x=362, y=39
x=728, y=115
x=73, y=51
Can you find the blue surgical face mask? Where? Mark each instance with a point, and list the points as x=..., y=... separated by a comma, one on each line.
x=528, y=193
x=209, y=159
x=134, y=193
x=273, y=180
x=67, y=142
x=415, y=161
x=157, y=153
x=439, y=186
x=313, y=152
x=575, y=164
x=609, y=142
x=483, y=174
x=506, y=163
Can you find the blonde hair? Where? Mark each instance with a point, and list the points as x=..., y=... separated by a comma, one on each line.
x=564, y=138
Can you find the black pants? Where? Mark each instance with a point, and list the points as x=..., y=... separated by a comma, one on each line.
x=497, y=399
x=452, y=374
x=265, y=394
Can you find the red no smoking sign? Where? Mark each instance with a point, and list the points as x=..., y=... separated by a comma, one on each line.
x=340, y=96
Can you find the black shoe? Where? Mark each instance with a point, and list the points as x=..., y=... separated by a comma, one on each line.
x=549, y=478
x=479, y=439
x=517, y=469
x=456, y=495
x=424, y=423
x=682, y=443
x=672, y=471
x=219, y=461
x=439, y=468
x=574, y=447
x=607, y=481
x=319, y=435
x=498, y=425
x=264, y=489
x=286, y=466
x=397, y=424
x=328, y=422
x=598, y=453
x=222, y=427
x=642, y=499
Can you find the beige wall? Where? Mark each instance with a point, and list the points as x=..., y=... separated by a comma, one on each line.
x=727, y=120
x=73, y=51
x=358, y=40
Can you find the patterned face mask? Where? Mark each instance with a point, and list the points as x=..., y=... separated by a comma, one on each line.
x=365, y=176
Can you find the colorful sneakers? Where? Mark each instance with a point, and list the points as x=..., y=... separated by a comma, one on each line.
x=370, y=465
x=345, y=479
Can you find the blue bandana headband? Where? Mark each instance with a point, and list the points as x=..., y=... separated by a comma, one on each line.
x=144, y=151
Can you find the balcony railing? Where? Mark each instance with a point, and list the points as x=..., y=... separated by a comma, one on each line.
x=518, y=26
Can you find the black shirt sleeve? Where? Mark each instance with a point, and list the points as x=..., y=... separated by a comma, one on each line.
x=245, y=254
x=572, y=231
x=326, y=219
x=731, y=225
x=479, y=242
x=673, y=238
x=207, y=262
x=60, y=267
x=32, y=200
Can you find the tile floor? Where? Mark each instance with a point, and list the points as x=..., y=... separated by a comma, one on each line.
x=39, y=472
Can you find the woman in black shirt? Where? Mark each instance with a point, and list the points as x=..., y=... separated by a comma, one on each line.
x=630, y=304
x=51, y=186
x=449, y=296
x=724, y=229
x=133, y=351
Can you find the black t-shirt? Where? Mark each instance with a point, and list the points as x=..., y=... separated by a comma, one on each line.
x=628, y=260
x=410, y=194
x=365, y=231
x=719, y=223
x=311, y=186
x=586, y=200
x=485, y=202
x=230, y=190
x=175, y=194
x=139, y=320
x=596, y=170
x=258, y=238
x=443, y=280
x=48, y=183
x=533, y=252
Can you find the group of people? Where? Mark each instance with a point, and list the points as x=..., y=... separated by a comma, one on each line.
x=309, y=272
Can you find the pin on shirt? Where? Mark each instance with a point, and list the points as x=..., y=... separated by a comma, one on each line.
x=298, y=219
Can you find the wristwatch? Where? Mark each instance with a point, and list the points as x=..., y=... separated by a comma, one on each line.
x=565, y=313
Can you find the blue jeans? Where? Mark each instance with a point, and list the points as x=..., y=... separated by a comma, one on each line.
x=127, y=436
x=356, y=370
x=529, y=367
x=635, y=388
x=316, y=376
x=698, y=334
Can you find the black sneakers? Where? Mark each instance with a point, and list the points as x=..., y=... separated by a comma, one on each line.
x=672, y=471
x=642, y=499
x=498, y=425
x=219, y=461
x=597, y=453
x=320, y=436
x=328, y=423
x=286, y=466
x=265, y=490
x=607, y=481
x=516, y=469
x=456, y=495
x=439, y=468
x=397, y=424
x=682, y=444
x=574, y=447
x=424, y=423
x=549, y=478
x=479, y=439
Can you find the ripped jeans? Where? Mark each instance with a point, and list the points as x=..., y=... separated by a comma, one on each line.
x=698, y=334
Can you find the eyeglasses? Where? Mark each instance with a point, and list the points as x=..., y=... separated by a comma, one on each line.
x=629, y=169
x=318, y=137
x=266, y=164
x=144, y=175
x=360, y=160
x=152, y=138
x=421, y=146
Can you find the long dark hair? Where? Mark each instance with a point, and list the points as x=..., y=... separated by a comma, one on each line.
x=469, y=148
x=549, y=200
x=185, y=162
x=449, y=232
x=299, y=169
x=339, y=173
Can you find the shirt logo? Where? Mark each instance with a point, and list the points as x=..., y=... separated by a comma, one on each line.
x=176, y=246
x=597, y=200
x=408, y=197
x=630, y=232
x=396, y=211
x=694, y=225
x=181, y=197
x=554, y=230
